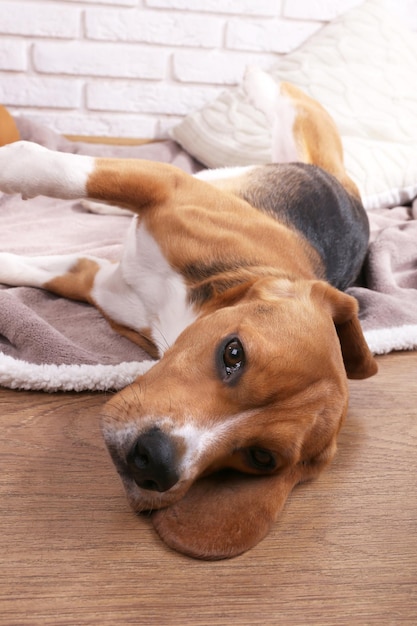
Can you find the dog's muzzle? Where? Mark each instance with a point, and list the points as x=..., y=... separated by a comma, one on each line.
x=152, y=461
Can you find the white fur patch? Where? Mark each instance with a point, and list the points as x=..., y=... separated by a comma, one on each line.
x=143, y=291
x=199, y=440
x=223, y=173
x=264, y=93
x=32, y=170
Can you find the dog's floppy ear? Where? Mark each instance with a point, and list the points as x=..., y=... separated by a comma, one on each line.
x=224, y=514
x=358, y=359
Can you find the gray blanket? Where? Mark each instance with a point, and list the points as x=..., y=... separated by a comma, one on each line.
x=49, y=343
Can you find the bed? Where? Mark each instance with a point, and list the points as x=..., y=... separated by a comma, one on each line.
x=48, y=343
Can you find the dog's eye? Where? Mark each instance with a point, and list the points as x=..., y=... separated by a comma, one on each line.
x=233, y=357
x=261, y=459
x=230, y=360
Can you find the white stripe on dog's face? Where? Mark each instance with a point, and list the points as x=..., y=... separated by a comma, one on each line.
x=195, y=444
x=199, y=441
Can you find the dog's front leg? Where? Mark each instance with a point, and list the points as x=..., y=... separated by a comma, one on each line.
x=88, y=279
x=32, y=170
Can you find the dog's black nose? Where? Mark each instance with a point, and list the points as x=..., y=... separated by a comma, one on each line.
x=152, y=461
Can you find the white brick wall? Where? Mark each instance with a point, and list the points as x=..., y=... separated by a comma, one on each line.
x=133, y=67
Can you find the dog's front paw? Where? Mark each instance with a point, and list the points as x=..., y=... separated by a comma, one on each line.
x=18, y=164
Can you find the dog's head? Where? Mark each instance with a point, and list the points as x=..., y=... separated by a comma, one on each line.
x=246, y=404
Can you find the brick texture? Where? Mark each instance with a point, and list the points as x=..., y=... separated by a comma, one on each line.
x=236, y=7
x=317, y=9
x=13, y=54
x=133, y=68
x=96, y=59
x=38, y=91
x=155, y=27
x=216, y=67
x=146, y=97
x=39, y=19
x=268, y=35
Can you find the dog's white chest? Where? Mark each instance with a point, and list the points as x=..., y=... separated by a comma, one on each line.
x=144, y=291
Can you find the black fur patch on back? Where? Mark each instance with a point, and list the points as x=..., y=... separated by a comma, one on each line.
x=310, y=200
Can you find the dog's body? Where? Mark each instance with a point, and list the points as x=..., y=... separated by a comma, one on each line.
x=234, y=285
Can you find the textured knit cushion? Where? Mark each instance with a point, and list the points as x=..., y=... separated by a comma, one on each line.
x=363, y=68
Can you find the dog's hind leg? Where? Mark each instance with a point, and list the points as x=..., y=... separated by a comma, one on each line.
x=265, y=94
x=302, y=129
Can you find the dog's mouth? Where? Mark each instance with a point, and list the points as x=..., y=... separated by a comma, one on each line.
x=213, y=516
x=175, y=470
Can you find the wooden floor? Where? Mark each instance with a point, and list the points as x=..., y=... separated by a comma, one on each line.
x=344, y=551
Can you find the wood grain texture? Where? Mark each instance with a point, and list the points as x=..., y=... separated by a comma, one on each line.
x=113, y=141
x=343, y=552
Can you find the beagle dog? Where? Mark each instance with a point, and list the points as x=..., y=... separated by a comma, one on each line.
x=233, y=280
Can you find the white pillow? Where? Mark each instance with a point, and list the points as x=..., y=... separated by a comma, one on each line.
x=363, y=68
